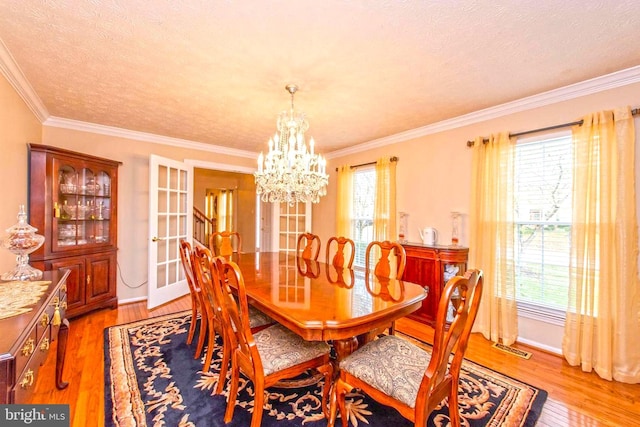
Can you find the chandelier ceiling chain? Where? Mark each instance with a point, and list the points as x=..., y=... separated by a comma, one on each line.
x=291, y=172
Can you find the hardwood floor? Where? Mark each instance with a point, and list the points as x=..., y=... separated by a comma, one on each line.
x=575, y=398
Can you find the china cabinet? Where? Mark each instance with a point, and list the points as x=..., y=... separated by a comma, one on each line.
x=431, y=267
x=73, y=203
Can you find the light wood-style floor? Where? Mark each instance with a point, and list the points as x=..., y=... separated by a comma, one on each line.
x=575, y=398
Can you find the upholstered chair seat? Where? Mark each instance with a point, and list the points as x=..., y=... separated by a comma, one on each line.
x=398, y=376
x=280, y=348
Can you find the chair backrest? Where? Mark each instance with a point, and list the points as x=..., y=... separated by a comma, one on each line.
x=201, y=261
x=384, y=262
x=185, y=257
x=220, y=243
x=338, y=257
x=464, y=293
x=308, y=246
x=235, y=314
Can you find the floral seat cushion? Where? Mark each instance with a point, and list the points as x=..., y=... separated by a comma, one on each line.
x=258, y=318
x=390, y=364
x=280, y=348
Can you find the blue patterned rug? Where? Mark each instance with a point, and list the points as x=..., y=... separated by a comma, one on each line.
x=152, y=379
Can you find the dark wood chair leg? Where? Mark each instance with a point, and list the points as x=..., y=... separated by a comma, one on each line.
x=63, y=334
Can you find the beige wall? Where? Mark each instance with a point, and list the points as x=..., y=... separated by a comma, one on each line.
x=18, y=126
x=433, y=173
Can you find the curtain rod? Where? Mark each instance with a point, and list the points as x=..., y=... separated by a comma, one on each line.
x=634, y=112
x=391, y=159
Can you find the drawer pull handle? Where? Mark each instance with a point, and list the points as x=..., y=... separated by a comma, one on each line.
x=44, y=321
x=45, y=345
x=56, y=316
x=27, y=380
x=28, y=347
x=63, y=288
x=63, y=305
x=56, y=300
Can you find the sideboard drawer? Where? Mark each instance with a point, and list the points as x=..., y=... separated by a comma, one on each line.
x=26, y=351
x=27, y=378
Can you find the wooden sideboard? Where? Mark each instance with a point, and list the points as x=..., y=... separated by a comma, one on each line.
x=25, y=340
x=426, y=266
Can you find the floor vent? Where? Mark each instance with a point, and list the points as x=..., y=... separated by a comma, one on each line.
x=514, y=351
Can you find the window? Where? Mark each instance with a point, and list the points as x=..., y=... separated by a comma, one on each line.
x=543, y=224
x=364, y=191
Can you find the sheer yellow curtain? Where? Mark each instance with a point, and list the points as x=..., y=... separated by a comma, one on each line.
x=491, y=239
x=384, y=214
x=603, y=318
x=344, y=203
x=384, y=207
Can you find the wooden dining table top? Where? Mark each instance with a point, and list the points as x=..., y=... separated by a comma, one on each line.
x=320, y=302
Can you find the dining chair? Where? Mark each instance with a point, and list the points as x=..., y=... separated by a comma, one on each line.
x=197, y=304
x=338, y=256
x=267, y=356
x=398, y=373
x=384, y=261
x=384, y=250
x=202, y=261
x=221, y=244
x=308, y=246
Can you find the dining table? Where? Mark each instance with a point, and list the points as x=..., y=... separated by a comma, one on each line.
x=321, y=302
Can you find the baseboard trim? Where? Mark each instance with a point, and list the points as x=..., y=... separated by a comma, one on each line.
x=131, y=300
x=540, y=346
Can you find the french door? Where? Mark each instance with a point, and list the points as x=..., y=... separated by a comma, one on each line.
x=170, y=220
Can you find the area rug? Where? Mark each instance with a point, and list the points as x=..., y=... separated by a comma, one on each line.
x=152, y=379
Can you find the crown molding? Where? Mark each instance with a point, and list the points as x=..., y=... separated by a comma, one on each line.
x=12, y=72
x=144, y=136
x=598, y=84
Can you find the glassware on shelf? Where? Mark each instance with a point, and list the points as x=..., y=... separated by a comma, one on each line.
x=90, y=187
x=21, y=239
x=68, y=183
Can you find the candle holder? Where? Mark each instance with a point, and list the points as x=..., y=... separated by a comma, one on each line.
x=403, y=227
x=455, y=228
x=20, y=239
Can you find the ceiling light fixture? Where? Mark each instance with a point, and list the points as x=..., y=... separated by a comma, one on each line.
x=291, y=172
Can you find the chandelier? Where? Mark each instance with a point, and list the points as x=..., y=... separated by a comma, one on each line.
x=291, y=172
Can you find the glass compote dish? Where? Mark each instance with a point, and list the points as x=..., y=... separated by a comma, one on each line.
x=21, y=239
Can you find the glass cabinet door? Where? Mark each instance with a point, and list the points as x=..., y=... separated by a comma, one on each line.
x=81, y=207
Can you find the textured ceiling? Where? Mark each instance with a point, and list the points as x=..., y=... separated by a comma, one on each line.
x=214, y=71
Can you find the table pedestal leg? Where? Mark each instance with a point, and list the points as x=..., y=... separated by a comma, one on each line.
x=63, y=334
x=345, y=347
